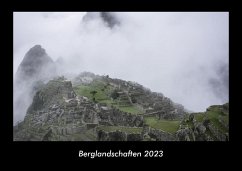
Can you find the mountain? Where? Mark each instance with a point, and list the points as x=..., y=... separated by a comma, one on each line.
x=110, y=19
x=212, y=125
x=36, y=65
x=69, y=110
x=35, y=69
x=64, y=111
x=91, y=107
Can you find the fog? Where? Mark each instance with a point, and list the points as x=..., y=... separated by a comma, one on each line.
x=182, y=55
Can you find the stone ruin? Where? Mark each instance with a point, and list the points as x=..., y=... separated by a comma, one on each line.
x=63, y=113
x=148, y=134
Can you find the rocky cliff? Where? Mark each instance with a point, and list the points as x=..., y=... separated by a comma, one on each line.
x=36, y=65
x=35, y=69
x=212, y=125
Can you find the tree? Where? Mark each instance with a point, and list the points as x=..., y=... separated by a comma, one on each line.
x=94, y=92
x=115, y=94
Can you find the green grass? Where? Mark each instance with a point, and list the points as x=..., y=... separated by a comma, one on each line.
x=165, y=125
x=84, y=90
x=102, y=96
x=125, y=129
x=213, y=114
x=129, y=109
x=199, y=116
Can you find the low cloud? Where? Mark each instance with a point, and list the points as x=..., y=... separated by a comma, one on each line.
x=182, y=55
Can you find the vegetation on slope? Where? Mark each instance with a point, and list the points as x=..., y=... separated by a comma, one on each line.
x=103, y=96
x=170, y=126
x=212, y=125
x=218, y=115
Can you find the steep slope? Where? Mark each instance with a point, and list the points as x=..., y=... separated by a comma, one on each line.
x=212, y=125
x=53, y=114
x=61, y=112
x=57, y=113
x=35, y=68
x=64, y=110
x=35, y=65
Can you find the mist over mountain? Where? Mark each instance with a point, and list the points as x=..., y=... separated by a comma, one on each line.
x=99, y=108
x=109, y=18
x=182, y=55
x=35, y=69
x=35, y=65
x=220, y=83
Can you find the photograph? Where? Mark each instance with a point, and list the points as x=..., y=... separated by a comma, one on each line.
x=120, y=76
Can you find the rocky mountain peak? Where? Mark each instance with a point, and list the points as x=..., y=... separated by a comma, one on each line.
x=35, y=68
x=36, y=51
x=109, y=18
x=35, y=61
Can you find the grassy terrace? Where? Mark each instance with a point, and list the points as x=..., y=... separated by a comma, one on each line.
x=165, y=125
x=121, y=128
x=84, y=90
x=129, y=109
x=102, y=96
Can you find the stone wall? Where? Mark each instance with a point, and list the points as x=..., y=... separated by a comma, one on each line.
x=153, y=134
x=118, y=136
x=160, y=135
x=68, y=129
x=116, y=117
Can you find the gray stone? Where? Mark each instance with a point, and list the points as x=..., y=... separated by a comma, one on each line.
x=200, y=128
x=134, y=137
x=117, y=136
x=102, y=135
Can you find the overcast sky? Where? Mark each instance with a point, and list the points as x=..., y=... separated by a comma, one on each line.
x=182, y=55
